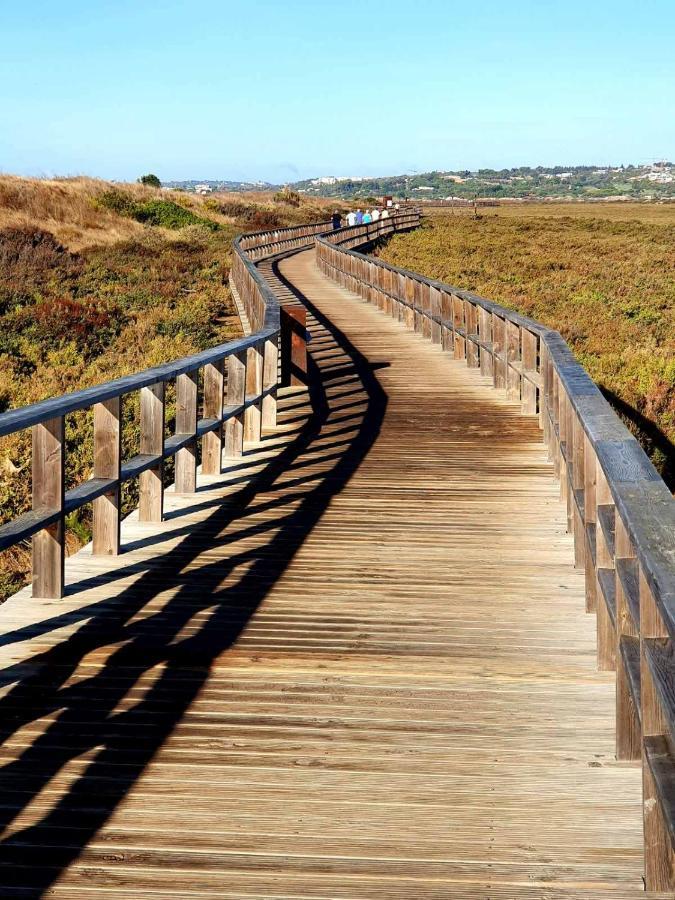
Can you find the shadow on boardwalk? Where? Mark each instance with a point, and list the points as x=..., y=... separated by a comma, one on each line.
x=114, y=747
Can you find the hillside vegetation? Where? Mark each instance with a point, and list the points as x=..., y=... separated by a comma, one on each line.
x=602, y=276
x=98, y=281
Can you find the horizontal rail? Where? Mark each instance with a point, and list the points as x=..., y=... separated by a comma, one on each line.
x=619, y=510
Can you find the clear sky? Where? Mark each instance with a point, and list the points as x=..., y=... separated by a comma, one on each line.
x=287, y=89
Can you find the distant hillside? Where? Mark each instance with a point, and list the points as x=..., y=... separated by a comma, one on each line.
x=655, y=181
x=208, y=185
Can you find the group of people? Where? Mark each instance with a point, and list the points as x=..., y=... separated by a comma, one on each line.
x=358, y=217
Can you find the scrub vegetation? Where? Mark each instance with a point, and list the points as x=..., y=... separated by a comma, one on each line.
x=602, y=275
x=98, y=281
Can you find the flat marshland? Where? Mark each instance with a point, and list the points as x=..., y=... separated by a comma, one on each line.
x=601, y=274
x=99, y=280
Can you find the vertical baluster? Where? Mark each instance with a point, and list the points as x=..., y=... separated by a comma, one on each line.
x=48, y=496
x=253, y=416
x=528, y=403
x=458, y=324
x=435, y=311
x=151, y=489
x=107, y=463
x=658, y=853
x=590, y=501
x=236, y=394
x=472, y=349
x=270, y=377
x=604, y=575
x=499, y=355
x=212, y=442
x=512, y=356
x=486, y=354
x=628, y=736
x=186, y=423
x=577, y=495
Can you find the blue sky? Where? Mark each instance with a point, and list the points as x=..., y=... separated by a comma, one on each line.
x=290, y=89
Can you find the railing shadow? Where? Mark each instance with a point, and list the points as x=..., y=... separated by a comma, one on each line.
x=86, y=683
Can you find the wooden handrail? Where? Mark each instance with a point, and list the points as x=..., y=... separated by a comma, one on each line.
x=619, y=510
x=238, y=398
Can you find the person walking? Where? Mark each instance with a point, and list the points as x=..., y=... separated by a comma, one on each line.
x=367, y=219
x=359, y=217
x=375, y=214
x=385, y=213
x=351, y=218
x=336, y=219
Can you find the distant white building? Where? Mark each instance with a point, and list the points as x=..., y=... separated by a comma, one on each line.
x=423, y=188
x=203, y=189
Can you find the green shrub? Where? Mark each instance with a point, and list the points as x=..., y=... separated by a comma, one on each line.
x=150, y=181
x=161, y=213
x=167, y=214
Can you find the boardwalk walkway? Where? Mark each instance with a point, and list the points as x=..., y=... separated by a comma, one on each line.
x=357, y=665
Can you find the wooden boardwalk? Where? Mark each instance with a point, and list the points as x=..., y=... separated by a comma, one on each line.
x=356, y=665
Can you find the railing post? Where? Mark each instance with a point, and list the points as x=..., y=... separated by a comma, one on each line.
x=151, y=488
x=512, y=355
x=658, y=852
x=590, y=470
x=270, y=378
x=48, y=495
x=212, y=442
x=628, y=734
x=499, y=351
x=186, y=423
x=253, y=416
x=604, y=574
x=236, y=395
x=293, y=345
x=528, y=393
x=107, y=462
x=472, y=349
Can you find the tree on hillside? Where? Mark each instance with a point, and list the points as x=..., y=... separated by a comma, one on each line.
x=150, y=181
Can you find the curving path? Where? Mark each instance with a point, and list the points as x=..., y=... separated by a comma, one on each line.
x=356, y=666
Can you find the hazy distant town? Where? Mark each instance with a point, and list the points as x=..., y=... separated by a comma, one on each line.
x=653, y=181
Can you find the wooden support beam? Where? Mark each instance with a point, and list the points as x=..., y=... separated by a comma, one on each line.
x=293, y=345
x=254, y=382
x=628, y=733
x=512, y=355
x=658, y=851
x=270, y=379
x=236, y=394
x=107, y=463
x=528, y=398
x=48, y=495
x=186, y=423
x=212, y=442
x=151, y=488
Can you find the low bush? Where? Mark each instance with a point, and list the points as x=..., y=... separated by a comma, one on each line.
x=160, y=213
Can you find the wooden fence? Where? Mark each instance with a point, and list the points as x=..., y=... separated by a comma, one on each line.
x=619, y=510
x=223, y=396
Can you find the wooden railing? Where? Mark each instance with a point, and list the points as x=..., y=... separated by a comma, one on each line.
x=619, y=510
x=223, y=396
